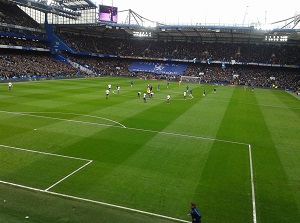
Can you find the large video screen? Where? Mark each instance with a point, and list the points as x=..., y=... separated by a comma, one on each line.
x=108, y=13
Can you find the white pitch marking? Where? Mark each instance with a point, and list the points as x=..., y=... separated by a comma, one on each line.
x=70, y=113
x=93, y=201
x=68, y=175
x=60, y=119
x=188, y=136
x=53, y=154
x=252, y=185
x=45, y=153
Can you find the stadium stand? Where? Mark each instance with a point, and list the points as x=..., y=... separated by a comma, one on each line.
x=18, y=41
x=24, y=65
x=270, y=54
x=113, y=56
x=258, y=76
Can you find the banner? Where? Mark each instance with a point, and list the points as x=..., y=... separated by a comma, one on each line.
x=158, y=68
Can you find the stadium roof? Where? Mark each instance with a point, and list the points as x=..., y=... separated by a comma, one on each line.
x=138, y=26
x=77, y=4
x=65, y=8
x=195, y=33
x=41, y=5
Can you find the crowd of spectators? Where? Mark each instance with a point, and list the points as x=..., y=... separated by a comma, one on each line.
x=26, y=64
x=265, y=77
x=269, y=77
x=103, y=66
x=18, y=64
x=14, y=41
x=240, y=52
x=115, y=67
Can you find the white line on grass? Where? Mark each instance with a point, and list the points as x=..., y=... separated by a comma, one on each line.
x=252, y=185
x=45, y=153
x=59, y=119
x=53, y=154
x=187, y=136
x=93, y=201
x=68, y=175
x=70, y=113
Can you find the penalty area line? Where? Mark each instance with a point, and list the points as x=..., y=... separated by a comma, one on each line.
x=44, y=153
x=187, y=136
x=93, y=201
x=75, y=171
x=53, y=154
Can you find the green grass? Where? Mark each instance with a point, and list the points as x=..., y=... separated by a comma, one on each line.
x=155, y=157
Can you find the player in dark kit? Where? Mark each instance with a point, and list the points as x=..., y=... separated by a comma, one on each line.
x=194, y=213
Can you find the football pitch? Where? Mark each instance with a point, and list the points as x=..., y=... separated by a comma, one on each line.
x=68, y=154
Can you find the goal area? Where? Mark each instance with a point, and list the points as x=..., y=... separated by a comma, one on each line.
x=190, y=79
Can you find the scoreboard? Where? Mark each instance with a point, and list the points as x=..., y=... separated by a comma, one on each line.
x=108, y=13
